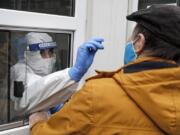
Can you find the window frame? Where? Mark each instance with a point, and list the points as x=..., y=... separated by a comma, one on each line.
x=22, y=20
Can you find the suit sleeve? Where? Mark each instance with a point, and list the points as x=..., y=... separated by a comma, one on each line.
x=43, y=92
x=53, y=89
x=76, y=117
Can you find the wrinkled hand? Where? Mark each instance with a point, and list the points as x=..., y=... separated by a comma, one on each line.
x=37, y=117
x=85, y=56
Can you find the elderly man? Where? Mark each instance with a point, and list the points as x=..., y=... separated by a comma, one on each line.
x=141, y=98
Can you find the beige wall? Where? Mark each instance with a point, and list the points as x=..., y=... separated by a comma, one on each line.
x=107, y=19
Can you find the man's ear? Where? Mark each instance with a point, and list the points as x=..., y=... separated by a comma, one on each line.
x=139, y=43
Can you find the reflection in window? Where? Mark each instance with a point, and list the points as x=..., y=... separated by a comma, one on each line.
x=4, y=55
x=59, y=7
x=146, y=3
x=13, y=46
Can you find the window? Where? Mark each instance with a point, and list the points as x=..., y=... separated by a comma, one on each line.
x=67, y=29
x=12, y=50
x=58, y=7
x=145, y=3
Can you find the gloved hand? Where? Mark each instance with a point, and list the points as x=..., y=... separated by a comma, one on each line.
x=56, y=108
x=85, y=56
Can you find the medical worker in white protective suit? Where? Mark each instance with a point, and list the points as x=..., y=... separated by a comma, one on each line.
x=33, y=85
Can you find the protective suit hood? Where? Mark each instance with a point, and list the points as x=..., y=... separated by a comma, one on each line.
x=36, y=42
x=155, y=91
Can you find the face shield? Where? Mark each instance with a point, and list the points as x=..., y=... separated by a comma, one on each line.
x=40, y=57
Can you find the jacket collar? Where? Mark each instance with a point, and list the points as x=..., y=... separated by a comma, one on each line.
x=148, y=63
x=130, y=66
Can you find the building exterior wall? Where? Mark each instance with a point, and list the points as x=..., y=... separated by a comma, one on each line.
x=107, y=19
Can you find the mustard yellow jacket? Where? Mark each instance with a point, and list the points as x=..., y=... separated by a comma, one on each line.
x=142, y=98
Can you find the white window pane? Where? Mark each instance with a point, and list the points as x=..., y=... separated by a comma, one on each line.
x=59, y=7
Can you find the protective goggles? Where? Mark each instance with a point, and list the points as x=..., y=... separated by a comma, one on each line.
x=42, y=46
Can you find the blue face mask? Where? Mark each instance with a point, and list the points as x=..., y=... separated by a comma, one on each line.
x=130, y=54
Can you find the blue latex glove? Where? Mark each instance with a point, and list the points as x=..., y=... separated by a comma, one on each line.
x=85, y=56
x=56, y=108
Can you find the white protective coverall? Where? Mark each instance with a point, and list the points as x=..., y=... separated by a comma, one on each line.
x=42, y=90
x=40, y=93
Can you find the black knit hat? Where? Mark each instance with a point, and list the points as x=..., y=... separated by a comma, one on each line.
x=162, y=20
